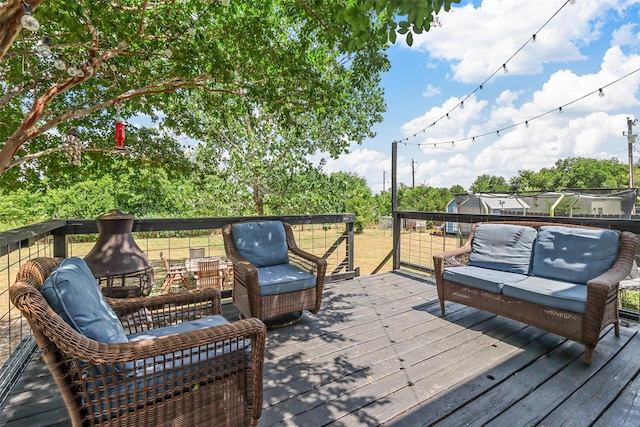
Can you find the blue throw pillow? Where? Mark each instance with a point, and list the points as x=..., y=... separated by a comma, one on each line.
x=73, y=293
x=503, y=247
x=574, y=255
x=262, y=243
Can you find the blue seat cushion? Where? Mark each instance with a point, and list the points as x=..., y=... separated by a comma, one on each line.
x=283, y=278
x=549, y=292
x=262, y=243
x=574, y=255
x=481, y=278
x=504, y=247
x=164, y=372
x=73, y=293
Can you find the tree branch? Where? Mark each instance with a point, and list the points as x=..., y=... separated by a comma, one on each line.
x=55, y=149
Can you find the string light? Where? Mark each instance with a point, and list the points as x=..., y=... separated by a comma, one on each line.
x=462, y=105
x=191, y=31
x=44, y=46
x=504, y=65
x=600, y=93
x=526, y=124
x=560, y=110
x=27, y=20
x=59, y=63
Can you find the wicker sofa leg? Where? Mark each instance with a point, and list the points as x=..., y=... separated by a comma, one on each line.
x=442, y=306
x=588, y=354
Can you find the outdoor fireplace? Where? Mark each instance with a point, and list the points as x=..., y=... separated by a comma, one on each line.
x=120, y=266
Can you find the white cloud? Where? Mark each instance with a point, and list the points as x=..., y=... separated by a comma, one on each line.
x=626, y=35
x=431, y=91
x=477, y=41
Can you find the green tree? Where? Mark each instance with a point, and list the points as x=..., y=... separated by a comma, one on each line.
x=91, y=63
x=490, y=184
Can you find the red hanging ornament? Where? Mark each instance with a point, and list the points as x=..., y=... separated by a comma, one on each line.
x=120, y=133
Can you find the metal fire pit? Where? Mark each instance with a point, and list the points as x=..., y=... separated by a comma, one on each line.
x=120, y=266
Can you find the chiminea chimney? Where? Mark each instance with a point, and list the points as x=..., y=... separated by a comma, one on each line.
x=116, y=260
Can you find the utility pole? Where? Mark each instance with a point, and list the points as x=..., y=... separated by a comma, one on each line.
x=413, y=173
x=384, y=178
x=631, y=138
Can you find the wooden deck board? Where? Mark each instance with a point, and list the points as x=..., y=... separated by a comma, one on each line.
x=380, y=353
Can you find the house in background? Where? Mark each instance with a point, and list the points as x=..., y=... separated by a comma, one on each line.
x=597, y=203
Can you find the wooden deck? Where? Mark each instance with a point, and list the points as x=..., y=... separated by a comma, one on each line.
x=380, y=353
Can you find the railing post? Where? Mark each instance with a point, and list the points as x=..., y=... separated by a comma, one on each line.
x=60, y=245
x=350, y=245
x=397, y=227
x=394, y=206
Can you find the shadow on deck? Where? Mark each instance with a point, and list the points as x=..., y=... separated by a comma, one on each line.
x=379, y=352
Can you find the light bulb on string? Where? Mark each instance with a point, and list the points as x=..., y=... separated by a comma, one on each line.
x=225, y=2
x=462, y=105
x=526, y=124
x=79, y=72
x=504, y=68
x=132, y=68
x=113, y=67
x=560, y=110
x=72, y=71
x=28, y=21
x=168, y=52
x=600, y=93
x=44, y=46
x=59, y=63
x=534, y=37
x=147, y=63
x=191, y=31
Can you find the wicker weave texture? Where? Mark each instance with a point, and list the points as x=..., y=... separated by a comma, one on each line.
x=246, y=291
x=156, y=382
x=602, y=294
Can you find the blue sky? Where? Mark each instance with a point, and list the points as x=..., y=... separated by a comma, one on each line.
x=587, y=45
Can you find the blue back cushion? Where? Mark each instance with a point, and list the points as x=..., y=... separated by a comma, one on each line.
x=504, y=247
x=573, y=255
x=262, y=243
x=73, y=293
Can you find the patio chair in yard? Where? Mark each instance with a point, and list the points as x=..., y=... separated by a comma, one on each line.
x=177, y=274
x=162, y=360
x=274, y=280
x=209, y=274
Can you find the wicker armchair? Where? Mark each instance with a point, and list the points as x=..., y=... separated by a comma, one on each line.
x=210, y=374
x=273, y=277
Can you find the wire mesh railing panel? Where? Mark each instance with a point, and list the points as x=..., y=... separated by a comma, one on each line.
x=16, y=343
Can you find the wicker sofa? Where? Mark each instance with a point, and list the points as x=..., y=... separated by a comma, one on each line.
x=150, y=361
x=558, y=277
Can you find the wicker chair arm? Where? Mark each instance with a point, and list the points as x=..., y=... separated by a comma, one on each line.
x=124, y=306
x=623, y=264
x=462, y=250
